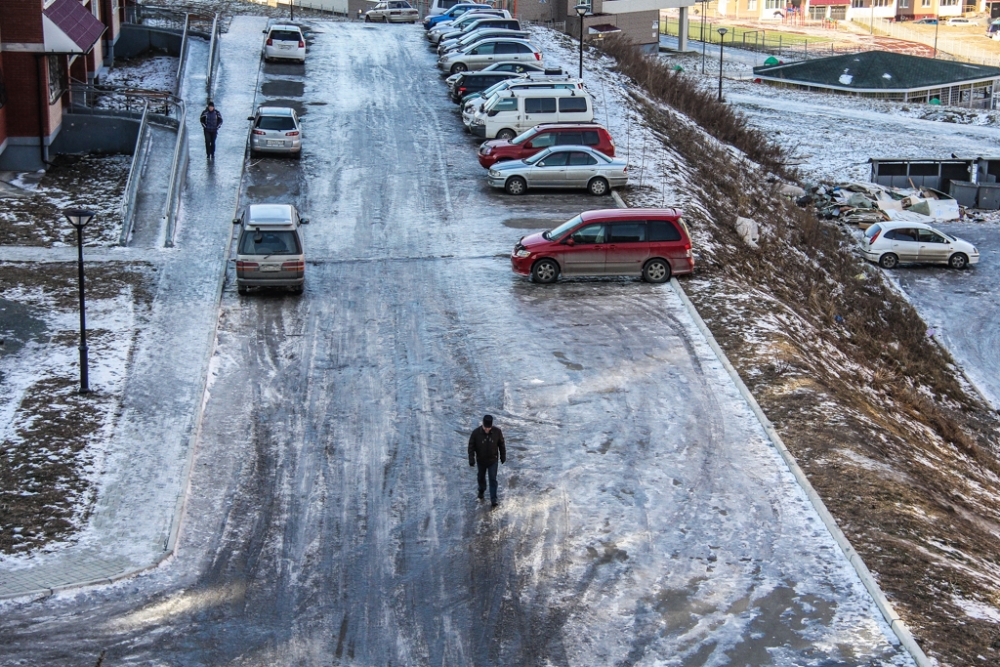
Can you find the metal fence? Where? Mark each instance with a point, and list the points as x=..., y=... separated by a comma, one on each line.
x=178, y=170
x=139, y=155
x=759, y=41
x=213, y=57
x=946, y=47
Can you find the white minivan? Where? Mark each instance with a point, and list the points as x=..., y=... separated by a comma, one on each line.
x=510, y=113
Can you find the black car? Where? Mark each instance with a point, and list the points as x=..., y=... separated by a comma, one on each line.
x=476, y=82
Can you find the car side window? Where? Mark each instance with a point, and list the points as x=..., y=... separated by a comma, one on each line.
x=483, y=50
x=572, y=104
x=901, y=234
x=591, y=138
x=524, y=48
x=628, y=232
x=580, y=159
x=927, y=236
x=663, y=230
x=555, y=160
x=540, y=105
x=543, y=140
x=506, y=47
x=569, y=139
x=589, y=234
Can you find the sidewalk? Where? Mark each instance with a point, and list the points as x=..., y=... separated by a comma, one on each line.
x=141, y=488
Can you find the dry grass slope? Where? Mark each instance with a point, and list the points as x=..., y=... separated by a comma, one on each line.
x=900, y=449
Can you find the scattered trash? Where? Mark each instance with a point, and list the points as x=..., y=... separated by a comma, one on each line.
x=790, y=190
x=864, y=204
x=748, y=230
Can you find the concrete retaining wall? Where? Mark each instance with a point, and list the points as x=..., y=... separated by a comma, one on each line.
x=136, y=39
x=96, y=134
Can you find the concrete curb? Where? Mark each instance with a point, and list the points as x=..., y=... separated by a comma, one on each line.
x=897, y=625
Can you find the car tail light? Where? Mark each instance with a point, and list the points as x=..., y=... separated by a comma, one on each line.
x=270, y=42
x=625, y=170
x=538, y=56
x=291, y=134
x=259, y=132
x=302, y=44
x=246, y=266
x=293, y=266
x=874, y=236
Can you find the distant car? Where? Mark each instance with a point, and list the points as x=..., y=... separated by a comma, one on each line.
x=393, y=11
x=269, y=251
x=993, y=28
x=465, y=23
x=560, y=167
x=893, y=243
x=927, y=21
x=541, y=137
x=482, y=54
x=471, y=83
x=554, y=78
x=652, y=243
x=960, y=20
x=457, y=10
x=275, y=130
x=514, y=66
x=476, y=36
x=284, y=42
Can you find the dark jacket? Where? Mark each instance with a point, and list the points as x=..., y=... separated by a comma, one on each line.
x=211, y=120
x=487, y=446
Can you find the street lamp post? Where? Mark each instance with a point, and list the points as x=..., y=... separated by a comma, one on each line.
x=722, y=44
x=79, y=217
x=703, y=5
x=871, y=27
x=581, y=11
x=937, y=21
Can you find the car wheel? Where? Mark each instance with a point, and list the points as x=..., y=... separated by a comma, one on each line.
x=242, y=289
x=367, y=19
x=515, y=185
x=958, y=261
x=656, y=271
x=506, y=134
x=597, y=187
x=888, y=261
x=459, y=67
x=545, y=271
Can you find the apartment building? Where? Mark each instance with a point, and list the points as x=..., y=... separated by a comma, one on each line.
x=43, y=45
x=635, y=20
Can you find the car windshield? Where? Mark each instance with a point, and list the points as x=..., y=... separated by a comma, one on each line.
x=275, y=242
x=496, y=87
x=538, y=156
x=563, y=228
x=275, y=123
x=524, y=136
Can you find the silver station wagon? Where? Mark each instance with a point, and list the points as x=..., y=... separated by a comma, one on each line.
x=276, y=130
x=269, y=250
x=560, y=167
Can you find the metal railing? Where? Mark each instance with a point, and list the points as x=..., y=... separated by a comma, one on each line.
x=182, y=60
x=178, y=169
x=213, y=57
x=134, y=176
x=945, y=47
x=104, y=100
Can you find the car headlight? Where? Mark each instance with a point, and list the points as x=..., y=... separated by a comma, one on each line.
x=522, y=253
x=494, y=173
x=478, y=121
x=487, y=150
x=975, y=250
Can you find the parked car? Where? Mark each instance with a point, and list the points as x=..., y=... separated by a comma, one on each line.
x=927, y=21
x=560, y=167
x=454, y=12
x=478, y=21
x=275, y=130
x=435, y=34
x=485, y=53
x=509, y=114
x=541, y=137
x=513, y=66
x=554, y=79
x=475, y=36
x=284, y=42
x=992, y=28
x=470, y=83
x=393, y=11
x=439, y=7
x=269, y=252
x=652, y=243
x=892, y=243
x=960, y=20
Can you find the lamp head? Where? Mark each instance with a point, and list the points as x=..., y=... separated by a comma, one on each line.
x=581, y=10
x=78, y=217
x=722, y=31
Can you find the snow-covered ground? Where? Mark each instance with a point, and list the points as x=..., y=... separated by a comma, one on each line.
x=150, y=71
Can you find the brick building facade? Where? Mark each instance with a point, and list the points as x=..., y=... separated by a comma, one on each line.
x=43, y=45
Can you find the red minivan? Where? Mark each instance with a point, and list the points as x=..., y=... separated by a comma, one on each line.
x=541, y=137
x=650, y=242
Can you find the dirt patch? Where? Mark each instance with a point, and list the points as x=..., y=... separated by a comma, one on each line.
x=96, y=182
x=898, y=447
x=51, y=449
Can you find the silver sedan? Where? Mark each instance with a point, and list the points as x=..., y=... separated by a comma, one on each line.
x=561, y=167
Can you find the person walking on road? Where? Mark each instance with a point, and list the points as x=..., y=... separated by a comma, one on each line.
x=211, y=121
x=487, y=449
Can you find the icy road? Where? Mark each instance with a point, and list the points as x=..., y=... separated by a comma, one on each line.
x=644, y=518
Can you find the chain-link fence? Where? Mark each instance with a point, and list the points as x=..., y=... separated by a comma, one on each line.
x=945, y=46
x=780, y=45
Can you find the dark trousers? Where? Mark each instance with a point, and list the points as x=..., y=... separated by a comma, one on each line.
x=210, y=142
x=492, y=469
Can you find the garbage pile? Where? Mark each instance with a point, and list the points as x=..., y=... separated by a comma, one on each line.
x=864, y=204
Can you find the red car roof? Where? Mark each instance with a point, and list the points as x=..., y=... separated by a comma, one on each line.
x=626, y=213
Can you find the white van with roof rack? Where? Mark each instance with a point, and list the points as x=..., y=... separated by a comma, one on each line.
x=511, y=112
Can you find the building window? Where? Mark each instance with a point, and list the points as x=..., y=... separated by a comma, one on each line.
x=817, y=13
x=838, y=12
x=925, y=3
x=949, y=3
x=752, y=5
x=57, y=78
x=857, y=4
x=904, y=4
x=774, y=4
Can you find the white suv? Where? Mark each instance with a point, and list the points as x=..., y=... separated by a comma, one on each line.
x=483, y=54
x=284, y=42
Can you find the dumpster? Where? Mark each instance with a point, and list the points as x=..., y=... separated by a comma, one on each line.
x=989, y=196
x=965, y=192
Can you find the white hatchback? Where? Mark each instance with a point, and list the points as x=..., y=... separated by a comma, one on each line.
x=284, y=42
x=892, y=243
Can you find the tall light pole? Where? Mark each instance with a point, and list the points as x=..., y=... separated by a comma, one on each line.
x=722, y=44
x=79, y=217
x=704, y=4
x=871, y=28
x=937, y=22
x=581, y=11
